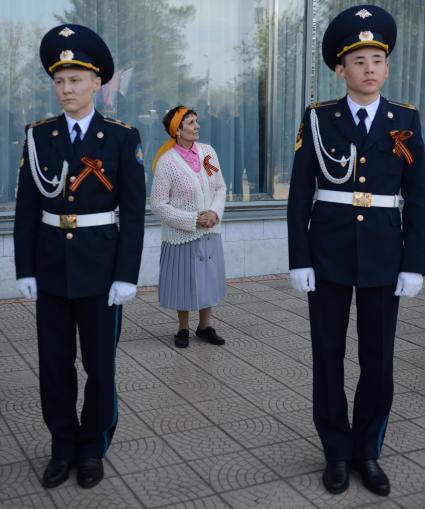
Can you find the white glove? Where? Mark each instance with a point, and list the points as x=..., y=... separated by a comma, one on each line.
x=121, y=292
x=303, y=280
x=28, y=287
x=409, y=284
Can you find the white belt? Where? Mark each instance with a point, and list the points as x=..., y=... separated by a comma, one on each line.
x=358, y=199
x=74, y=220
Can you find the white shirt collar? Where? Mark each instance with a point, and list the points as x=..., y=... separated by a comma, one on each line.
x=82, y=122
x=371, y=109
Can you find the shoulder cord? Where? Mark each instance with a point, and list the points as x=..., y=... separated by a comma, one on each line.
x=37, y=173
x=318, y=145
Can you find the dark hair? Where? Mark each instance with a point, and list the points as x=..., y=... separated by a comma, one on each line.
x=170, y=114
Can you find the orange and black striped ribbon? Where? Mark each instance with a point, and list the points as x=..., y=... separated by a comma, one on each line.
x=91, y=165
x=209, y=168
x=399, y=147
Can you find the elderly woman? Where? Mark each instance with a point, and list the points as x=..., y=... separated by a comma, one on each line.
x=188, y=194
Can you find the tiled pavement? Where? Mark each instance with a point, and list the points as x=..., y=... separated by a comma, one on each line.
x=212, y=427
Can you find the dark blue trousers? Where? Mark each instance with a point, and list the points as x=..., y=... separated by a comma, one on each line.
x=377, y=310
x=99, y=326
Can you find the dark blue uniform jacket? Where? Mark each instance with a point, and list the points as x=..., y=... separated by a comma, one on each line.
x=87, y=264
x=328, y=236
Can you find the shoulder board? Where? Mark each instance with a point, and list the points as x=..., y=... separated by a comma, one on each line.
x=44, y=121
x=323, y=103
x=117, y=122
x=404, y=105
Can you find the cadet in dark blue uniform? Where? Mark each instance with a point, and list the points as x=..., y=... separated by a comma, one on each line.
x=70, y=255
x=360, y=152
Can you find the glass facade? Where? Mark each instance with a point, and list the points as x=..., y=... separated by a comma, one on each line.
x=248, y=67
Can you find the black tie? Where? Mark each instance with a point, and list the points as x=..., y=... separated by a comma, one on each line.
x=77, y=140
x=361, y=126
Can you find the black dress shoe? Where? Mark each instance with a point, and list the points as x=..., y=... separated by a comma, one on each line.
x=210, y=335
x=181, y=339
x=90, y=472
x=335, y=476
x=56, y=473
x=373, y=476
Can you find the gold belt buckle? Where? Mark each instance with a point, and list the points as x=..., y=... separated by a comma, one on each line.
x=68, y=220
x=362, y=199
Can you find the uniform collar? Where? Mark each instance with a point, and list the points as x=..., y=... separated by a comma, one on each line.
x=371, y=108
x=82, y=122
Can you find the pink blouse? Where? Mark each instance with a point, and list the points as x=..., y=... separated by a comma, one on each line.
x=190, y=155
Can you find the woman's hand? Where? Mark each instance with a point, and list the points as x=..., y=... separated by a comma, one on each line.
x=207, y=219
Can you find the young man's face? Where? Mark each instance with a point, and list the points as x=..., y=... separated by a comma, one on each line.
x=74, y=89
x=364, y=72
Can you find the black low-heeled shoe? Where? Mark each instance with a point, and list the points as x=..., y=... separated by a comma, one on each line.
x=210, y=335
x=336, y=476
x=56, y=472
x=90, y=472
x=181, y=339
x=373, y=477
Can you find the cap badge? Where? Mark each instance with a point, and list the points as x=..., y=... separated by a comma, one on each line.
x=66, y=55
x=66, y=32
x=363, y=13
x=366, y=36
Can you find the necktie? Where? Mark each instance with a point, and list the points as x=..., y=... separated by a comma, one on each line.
x=361, y=126
x=77, y=140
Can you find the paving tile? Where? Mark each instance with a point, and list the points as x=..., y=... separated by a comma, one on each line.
x=415, y=501
x=232, y=471
x=231, y=409
x=111, y=493
x=405, y=476
x=36, y=442
x=10, y=451
x=405, y=436
x=272, y=495
x=18, y=480
x=203, y=389
x=413, y=379
x=200, y=503
x=4, y=430
x=138, y=455
x=130, y=427
x=311, y=487
x=415, y=357
x=174, y=419
x=420, y=422
x=18, y=379
x=259, y=431
x=151, y=398
x=37, y=501
x=409, y=405
x=301, y=422
x=418, y=457
x=167, y=485
x=283, y=400
x=201, y=443
x=6, y=348
x=291, y=458
x=22, y=410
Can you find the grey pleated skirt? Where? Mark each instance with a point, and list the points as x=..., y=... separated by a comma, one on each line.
x=191, y=275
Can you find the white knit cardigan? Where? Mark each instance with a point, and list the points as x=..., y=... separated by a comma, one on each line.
x=179, y=194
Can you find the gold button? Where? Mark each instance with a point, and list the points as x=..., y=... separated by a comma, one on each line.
x=45, y=168
x=393, y=150
x=333, y=150
x=362, y=180
x=362, y=160
x=69, y=236
x=360, y=218
x=71, y=198
x=72, y=179
x=102, y=170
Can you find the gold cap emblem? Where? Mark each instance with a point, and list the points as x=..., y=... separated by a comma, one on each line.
x=366, y=36
x=363, y=13
x=66, y=32
x=66, y=55
x=100, y=135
